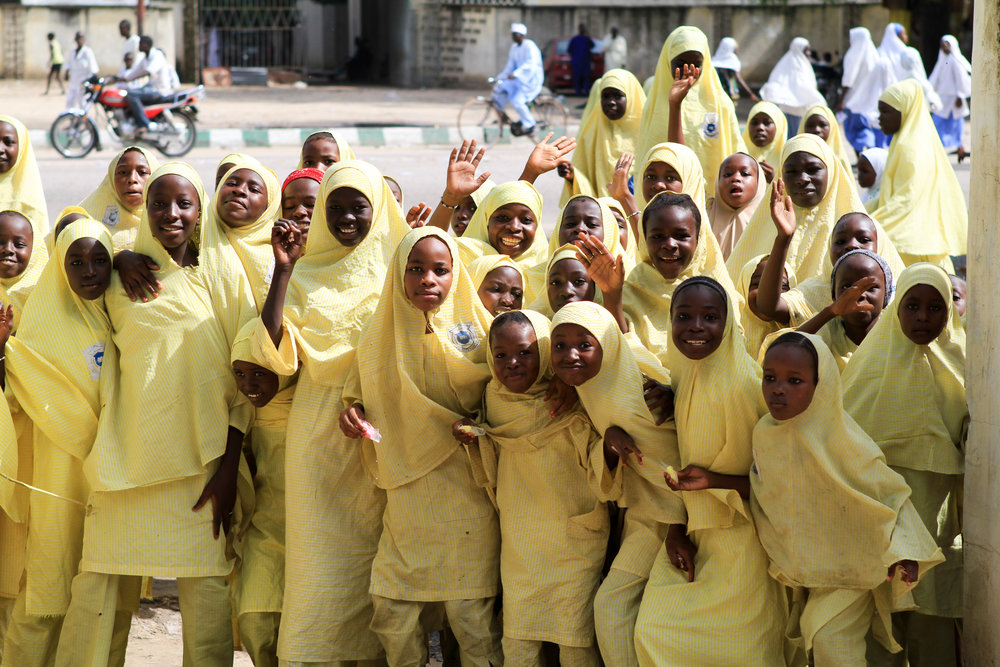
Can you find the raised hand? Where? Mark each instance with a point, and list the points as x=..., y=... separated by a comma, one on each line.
x=618, y=187
x=286, y=242
x=418, y=215
x=546, y=156
x=782, y=212
x=768, y=170
x=565, y=170
x=607, y=272
x=684, y=79
x=461, y=179
x=850, y=301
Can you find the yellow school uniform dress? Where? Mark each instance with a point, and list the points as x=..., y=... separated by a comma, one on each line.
x=172, y=355
x=475, y=242
x=346, y=152
x=104, y=204
x=808, y=252
x=733, y=613
x=770, y=153
x=709, y=121
x=600, y=140
x=332, y=295
x=754, y=328
x=835, y=550
x=835, y=140
x=614, y=397
x=53, y=370
x=728, y=223
x=21, y=186
x=554, y=530
x=921, y=203
x=911, y=400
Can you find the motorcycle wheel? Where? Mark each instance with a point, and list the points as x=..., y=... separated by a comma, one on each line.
x=72, y=135
x=180, y=138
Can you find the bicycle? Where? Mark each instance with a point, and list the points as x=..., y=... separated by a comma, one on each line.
x=480, y=119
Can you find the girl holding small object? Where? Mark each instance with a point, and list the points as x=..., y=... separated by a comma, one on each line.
x=118, y=200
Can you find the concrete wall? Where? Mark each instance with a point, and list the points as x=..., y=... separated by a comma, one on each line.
x=100, y=24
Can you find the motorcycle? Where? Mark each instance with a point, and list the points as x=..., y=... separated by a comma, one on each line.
x=74, y=133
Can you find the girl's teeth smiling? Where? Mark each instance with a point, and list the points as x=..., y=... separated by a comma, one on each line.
x=510, y=241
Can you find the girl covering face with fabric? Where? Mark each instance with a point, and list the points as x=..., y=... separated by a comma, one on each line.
x=423, y=352
x=921, y=204
x=708, y=122
x=712, y=570
x=603, y=138
x=906, y=387
x=118, y=200
x=316, y=326
x=20, y=180
x=554, y=530
x=157, y=510
x=591, y=353
x=834, y=552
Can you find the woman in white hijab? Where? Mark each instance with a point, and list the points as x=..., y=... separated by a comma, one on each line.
x=913, y=65
x=871, y=166
x=726, y=61
x=792, y=84
x=860, y=61
x=952, y=79
x=893, y=47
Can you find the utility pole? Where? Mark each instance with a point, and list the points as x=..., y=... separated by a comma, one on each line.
x=192, y=42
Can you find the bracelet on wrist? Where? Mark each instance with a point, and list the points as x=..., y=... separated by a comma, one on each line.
x=453, y=208
x=632, y=215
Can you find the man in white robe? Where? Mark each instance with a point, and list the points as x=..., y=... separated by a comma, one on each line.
x=521, y=79
x=615, y=50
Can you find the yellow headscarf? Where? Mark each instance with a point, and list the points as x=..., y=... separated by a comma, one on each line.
x=854, y=519
x=771, y=153
x=646, y=296
x=610, y=238
x=239, y=260
x=921, y=203
x=754, y=328
x=15, y=291
x=346, y=152
x=181, y=373
x=709, y=120
x=104, y=204
x=600, y=141
x=614, y=397
x=729, y=223
x=334, y=288
x=475, y=242
x=481, y=266
x=396, y=359
x=21, y=186
x=616, y=205
x=835, y=140
x=541, y=304
x=717, y=402
x=911, y=398
x=809, y=252
x=275, y=413
x=684, y=160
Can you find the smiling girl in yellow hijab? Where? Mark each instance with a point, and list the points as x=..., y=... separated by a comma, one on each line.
x=114, y=202
x=601, y=140
x=725, y=591
x=832, y=516
x=423, y=354
x=708, y=122
x=331, y=294
x=909, y=397
x=921, y=204
x=20, y=180
x=613, y=399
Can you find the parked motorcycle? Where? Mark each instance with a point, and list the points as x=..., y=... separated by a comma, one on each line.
x=74, y=133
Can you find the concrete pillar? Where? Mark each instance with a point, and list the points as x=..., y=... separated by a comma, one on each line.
x=981, y=531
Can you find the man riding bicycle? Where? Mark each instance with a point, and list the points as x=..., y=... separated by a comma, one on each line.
x=521, y=79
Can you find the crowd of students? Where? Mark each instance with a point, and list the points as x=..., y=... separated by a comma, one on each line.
x=717, y=418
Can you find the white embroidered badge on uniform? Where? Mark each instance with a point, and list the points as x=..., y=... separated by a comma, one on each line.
x=111, y=216
x=94, y=356
x=464, y=337
x=710, y=126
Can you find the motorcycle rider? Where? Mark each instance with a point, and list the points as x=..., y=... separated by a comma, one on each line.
x=162, y=81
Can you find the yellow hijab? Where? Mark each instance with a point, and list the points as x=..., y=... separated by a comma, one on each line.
x=600, y=141
x=729, y=223
x=616, y=205
x=771, y=153
x=809, y=252
x=475, y=242
x=754, y=328
x=717, y=402
x=848, y=528
x=614, y=397
x=921, y=203
x=709, y=120
x=481, y=266
x=275, y=413
x=684, y=160
x=541, y=304
x=21, y=186
x=610, y=238
x=911, y=398
x=15, y=291
x=334, y=288
x=172, y=356
x=346, y=152
x=835, y=140
x=105, y=205
x=396, y=359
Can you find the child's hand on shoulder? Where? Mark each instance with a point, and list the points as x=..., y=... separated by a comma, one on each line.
x=286, y=242
x=136, y=274
x=908, y=570
x=680, y=549
x=618, y=445
x=561, y=397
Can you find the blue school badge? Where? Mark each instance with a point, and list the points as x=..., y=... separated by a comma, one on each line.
x=464, y=337
x=94, y=356
x=112, y=216
x=710, y=126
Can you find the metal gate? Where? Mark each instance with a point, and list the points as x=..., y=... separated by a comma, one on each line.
x=249, y=33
